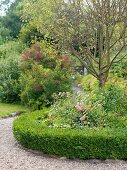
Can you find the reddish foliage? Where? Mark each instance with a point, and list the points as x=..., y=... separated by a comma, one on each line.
x=37, y=54
x=34, y=53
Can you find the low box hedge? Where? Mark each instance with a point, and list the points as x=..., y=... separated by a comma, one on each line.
x=99, y=143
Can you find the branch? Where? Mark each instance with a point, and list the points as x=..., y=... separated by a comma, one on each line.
x=120, y=59
x=115, y=59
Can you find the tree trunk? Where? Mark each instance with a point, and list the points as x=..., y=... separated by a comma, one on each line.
x=101, y=81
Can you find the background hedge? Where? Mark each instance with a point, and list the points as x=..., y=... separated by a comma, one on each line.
x=99, y=143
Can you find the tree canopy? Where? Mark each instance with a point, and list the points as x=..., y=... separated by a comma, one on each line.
x=93, y=31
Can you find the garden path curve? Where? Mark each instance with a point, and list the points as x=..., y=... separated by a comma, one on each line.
x=14, y=157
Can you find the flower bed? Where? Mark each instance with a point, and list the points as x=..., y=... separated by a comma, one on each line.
x=89, y=143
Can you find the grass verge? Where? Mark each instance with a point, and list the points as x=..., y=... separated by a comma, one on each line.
x=7, y=109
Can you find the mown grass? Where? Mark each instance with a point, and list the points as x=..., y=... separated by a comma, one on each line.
x=8, y=109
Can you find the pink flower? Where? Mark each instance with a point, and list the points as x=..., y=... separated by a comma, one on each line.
x=83, y=118
x=79, y=107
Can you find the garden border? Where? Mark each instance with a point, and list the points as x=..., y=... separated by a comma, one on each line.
x=96, y=143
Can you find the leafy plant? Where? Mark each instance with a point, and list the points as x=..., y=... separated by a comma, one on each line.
x=38, y=84
x=9, y=84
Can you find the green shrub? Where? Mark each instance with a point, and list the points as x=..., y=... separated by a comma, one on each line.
x=4, y=34
x=38, y=84
x=120, y=68
x=9, y=84
x=89, y=143
x=30, y=34
x=44, y=72
x=112, y=98
x=11, y=49
x=88, y=83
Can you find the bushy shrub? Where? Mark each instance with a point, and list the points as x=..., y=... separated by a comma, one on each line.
x=75, y=111
x=10, y=71
x=9, y=84
x=120, y=68
x=38, y=84
x=45, y=55
x=112, y=97
x=44, y=72
x=29, y=34
x=88, y=82
x=11, y=49
x=117, y=81
x=89, y=143
x=4, y=34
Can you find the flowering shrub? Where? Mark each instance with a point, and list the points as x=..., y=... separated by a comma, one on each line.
x=81, y=111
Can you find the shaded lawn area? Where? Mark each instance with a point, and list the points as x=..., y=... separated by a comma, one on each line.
x=7, y=109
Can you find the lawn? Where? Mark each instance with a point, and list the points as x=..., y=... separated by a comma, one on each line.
x=8, y=109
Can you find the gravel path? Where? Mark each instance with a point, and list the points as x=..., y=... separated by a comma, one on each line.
x=13, y=157
x=76, y=88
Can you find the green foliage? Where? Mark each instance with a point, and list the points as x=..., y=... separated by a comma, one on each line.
x=113, y=98
x=11, y=21
x=10, y=71
x=44, y=72
x=45, y=55
x=89, y=143
x=4, y=34
x=38, y=84
x=120, y=69
x=29, y=34
x=88, y=110
x=9, y=75
x=42, y=55
x=88, y=82
x=11, y=49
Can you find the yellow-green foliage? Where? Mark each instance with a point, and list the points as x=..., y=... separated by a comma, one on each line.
x=121, y=82
x=11, y=49
x=89, y=83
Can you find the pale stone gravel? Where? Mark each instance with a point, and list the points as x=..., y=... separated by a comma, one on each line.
x=14, y=157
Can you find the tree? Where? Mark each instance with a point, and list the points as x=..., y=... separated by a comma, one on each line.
x=95, y=31
x=11, y=20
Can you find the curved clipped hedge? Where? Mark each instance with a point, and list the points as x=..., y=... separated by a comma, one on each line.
x=71, y=143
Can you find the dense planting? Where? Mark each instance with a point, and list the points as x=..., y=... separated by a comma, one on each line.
x=32, y=75
x=42, y=47
x=89, y=143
